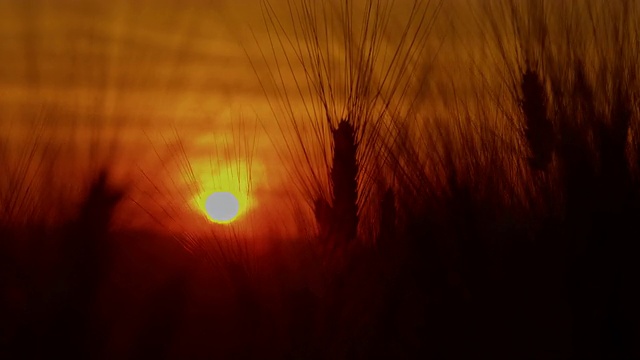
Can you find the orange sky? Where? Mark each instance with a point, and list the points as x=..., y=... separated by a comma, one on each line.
x=144, y=72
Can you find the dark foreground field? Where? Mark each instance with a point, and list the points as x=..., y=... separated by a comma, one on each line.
x=465, y=279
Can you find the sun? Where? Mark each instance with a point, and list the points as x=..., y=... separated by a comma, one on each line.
x=223, y=196
x=222, y=207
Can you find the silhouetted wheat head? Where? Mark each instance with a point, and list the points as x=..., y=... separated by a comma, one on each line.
x=86, y=247
x=538, y=131
x=352, y=86
x=343, y=225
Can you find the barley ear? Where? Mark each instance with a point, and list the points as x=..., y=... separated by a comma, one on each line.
x=538, y=128
x=344, y=172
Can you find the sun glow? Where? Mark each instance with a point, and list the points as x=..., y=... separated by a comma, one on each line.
x=223, y=196
x=221, y=206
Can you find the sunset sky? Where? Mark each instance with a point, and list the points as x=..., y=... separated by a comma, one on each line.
x=149, y=72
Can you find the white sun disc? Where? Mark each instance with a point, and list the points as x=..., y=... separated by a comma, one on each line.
x=222, y=207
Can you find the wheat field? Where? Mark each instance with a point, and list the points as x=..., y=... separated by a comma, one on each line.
x=444, y=179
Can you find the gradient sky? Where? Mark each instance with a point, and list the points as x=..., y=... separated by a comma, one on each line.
x=145, y=72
